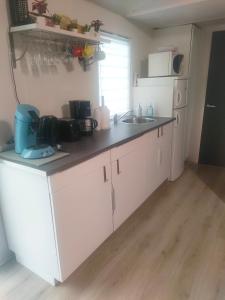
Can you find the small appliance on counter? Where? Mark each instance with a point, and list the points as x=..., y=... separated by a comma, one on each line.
x=69, y=130
x=87, y=126
x=166, y=63
x=38, y=151
x=48, y=131
x=81, y=111
x=26, y=127
x=27, y=123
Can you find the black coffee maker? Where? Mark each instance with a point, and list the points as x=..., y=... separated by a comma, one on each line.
x=48, y=130
x=81, y=111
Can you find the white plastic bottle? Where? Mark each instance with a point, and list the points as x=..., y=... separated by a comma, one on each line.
x=105, y=112
x=98, y=117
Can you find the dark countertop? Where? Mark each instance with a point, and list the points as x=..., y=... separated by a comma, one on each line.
x=99, y=142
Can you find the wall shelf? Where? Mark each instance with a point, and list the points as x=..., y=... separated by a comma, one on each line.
x=42, y=31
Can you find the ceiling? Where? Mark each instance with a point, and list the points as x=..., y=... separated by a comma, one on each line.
x=163, y=13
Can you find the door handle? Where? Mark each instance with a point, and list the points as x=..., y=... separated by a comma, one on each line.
x=162, y=131
x=210, y=106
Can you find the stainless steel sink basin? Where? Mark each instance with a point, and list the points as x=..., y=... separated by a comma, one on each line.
x=138, y=120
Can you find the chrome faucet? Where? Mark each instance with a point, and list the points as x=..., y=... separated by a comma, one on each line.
x=116, y=118
x=140, y=111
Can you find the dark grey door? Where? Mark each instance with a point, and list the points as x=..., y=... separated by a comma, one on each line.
x=212, y=150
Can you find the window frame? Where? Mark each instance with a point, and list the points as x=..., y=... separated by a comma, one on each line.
x=105, y=38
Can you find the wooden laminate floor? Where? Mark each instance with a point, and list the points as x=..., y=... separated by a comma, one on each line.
x=172, y=248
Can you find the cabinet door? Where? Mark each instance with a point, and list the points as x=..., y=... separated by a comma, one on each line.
x=128, y=178
x=153, y=155
x=178, y=144
x=180, y=93
x=165, y=152
x=158, y=157
x=83, y=211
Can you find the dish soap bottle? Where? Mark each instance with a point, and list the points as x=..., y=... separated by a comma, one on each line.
x=150, y=111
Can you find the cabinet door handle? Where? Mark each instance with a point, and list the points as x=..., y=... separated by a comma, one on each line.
x=158, y=133
x=105, y=174
x=118, y=167
x=162, y=131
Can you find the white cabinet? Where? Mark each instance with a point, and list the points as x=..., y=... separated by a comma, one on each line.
x=128, y=179
x=82, y=205
x=56, y=222
x=158, y=157
x=27, y=215
x=165, y=145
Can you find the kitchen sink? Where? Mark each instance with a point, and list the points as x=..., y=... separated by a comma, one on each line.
x=138, y=120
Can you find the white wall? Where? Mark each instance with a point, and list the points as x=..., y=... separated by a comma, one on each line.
x=7, y=104
x=51, y=88
x=7, y=100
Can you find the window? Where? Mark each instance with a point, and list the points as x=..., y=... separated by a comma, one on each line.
x=114, y=74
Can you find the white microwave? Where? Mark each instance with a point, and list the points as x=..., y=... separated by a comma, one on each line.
x=165, y=64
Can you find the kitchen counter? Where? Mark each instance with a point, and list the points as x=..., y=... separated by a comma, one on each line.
x=99, y=142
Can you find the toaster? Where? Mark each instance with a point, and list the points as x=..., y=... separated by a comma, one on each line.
x=69, y=130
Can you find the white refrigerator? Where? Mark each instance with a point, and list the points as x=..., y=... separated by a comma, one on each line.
x=168, y=96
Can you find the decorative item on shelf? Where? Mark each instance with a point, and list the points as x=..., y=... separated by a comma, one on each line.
x=19, y=12
x=90, y=55
x=49, y=22
x=73, y=26
x=96, y=25
x=80, y=28
x=65, y=22
x=87, y=28
x=99, y=54
x=77, y=51
x=88, y=51
x=56, y=19
x=39, y=8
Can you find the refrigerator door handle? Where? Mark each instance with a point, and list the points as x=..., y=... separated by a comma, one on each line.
x=178, y=97
x=177, y=119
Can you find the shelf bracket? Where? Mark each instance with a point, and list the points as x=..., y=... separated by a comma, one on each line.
x=12, y=49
